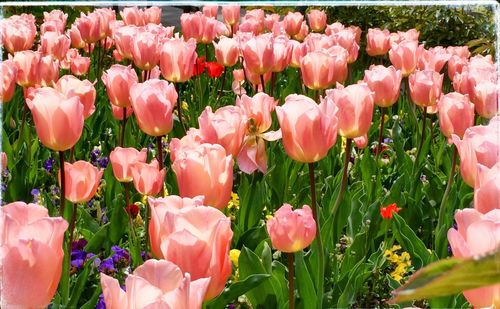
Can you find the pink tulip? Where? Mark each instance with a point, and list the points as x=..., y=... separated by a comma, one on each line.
x=55, y=15
x=231, y=14
x=303, y=32
x=145, y=50
x=76, y=37
x=317, y=20
x=347, y=39
x=258, y=54
x=255, y=79
x=258, y=110
x=425, y=87
x=205, y=170
x=27, y=67
x=124, y=40
x=270, y=20
x=155, y=284
x=334, y=28
x=118, y=80
x=460, y=51
x=122, y=160
x=282, y=53
x=118, y=112
x=58, y=120
x=487, y=188
x=89, y=27
x=378, y=42
x=3, y=159
x=486, y=96
x=199, y=27
x=292, y=22
x=177, y=59
x=8, y=71
x=298, y=51
x=476, y=235
x=309, y=130
x=159, y=208
x=153, y=102
x=456, y=114
x=32, y=255
x=385, y=84
x=227, y=51
x=106, y=17
x=203, y=230
x=48, y=71
x=355, y=104
x=18, y=32
x=455, y=65
x=210, y=10
x=361, y=141
x=132, y=16
x=152, y=15
x=190, y=141
x=79, y=65
x=55, y=44
x=432, y=59
x=403, y=56
x=225, y=127
x=148, y=178
x=53, y=25
x=71, y=86
x=318, y=69
x=82, y=180
x=341, y=56
x=291, y=230
x=480, y=144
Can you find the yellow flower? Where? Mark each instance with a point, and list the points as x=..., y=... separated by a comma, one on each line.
x=234, y=202
x=138, y=220
x=269, y=217
x=234, y=255
x=185, y=106
x=165, y=190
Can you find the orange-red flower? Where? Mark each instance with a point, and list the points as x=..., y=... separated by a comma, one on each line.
x=214, y=69
x=386, y=212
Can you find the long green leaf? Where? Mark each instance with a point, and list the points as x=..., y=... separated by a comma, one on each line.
x=236, y=289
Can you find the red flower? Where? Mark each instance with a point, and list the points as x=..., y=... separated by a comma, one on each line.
x=386, y=212
x=132, y=210
x=214, y=69
x=199, y=66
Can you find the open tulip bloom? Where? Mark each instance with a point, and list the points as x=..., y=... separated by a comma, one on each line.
x=260, y=156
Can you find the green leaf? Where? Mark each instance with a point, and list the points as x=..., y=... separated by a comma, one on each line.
x=410, y=242
x=304, y=281
x=450, y=276
x=81, y=281
x=94, y=244
x=236, y=289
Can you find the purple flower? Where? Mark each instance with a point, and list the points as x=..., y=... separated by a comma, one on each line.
x=35, y=192
x=121, y=257
x=96, y=262
x=94, y=154
x=102, y=162
x=107, y=266
x=3, y=187
x=100, y=304
x=79, y=244
x=48, y=164
x=387, y=140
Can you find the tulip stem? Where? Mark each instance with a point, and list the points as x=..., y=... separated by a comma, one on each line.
x=146, y=226
x=442, y=208
x=64, y=283
x=179, y=107
x=381, y=133
x=321, y=268
x=273, y=81
x=422, y=137
x=124, y=123
x=262, y=83
x=223, y=82
x=63, y=183
x=291, y=287
x=72, y=224
x=206, y=52
x=343, y=183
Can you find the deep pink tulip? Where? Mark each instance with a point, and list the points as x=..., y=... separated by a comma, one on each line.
x=82, y=179
x=122, y=160
x=148, y=178
x=153, y=102
x=487, y=188
x=309, y=130
x=18, y=32
x=480, y=144
x=8, y=71
x=476, y=235
x=177, y=59
x=227, y=51
x=124, y=39
x=291, y=230
x=292, y=22
x=155, y=284
x=118, y=80
x=486, y=94
x=231, y=14
x=200, y=229
x=425, y=87
x=317, y=20
x=378, y=42
x=191, y=140
x=258, y=54
x=455, y=65
x=456, y=114
x=58, y=120
x=205, y=170
x=432, y=59
x=355, y=104
x=404, y=56
x=32, y=255
x=71, y=86
x=225, y=127
x=210, y=10
x=159, y=208
x=145, y=50
x=385, y=84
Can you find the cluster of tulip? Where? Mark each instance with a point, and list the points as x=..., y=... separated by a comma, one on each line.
x=190, y=235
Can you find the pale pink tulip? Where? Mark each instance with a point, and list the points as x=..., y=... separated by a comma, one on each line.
x=71, y=86
x=118, y=112
x=456, y=114
x=148, y=178
x=487, y=188
x=231, y=14
x=318, y=70
x=89, y=27
x=227, y=51
x=48, y=71
x=346, y=38
x=152, y=15
x=303, y=32
x=76, y=37
x=3, y=159
x=145, y=50
x=455, y=65
x=27, y=67
x=32, y=255
x=55, y=44
x=199, y=27
x=190, y=141
x=425, y=87
x=133, y=16
x=258, y=54
x=317, y=20
x=118, y=80
x=361, y=141
x=385, y=84
x=282, y=53
x=81, y=180
x=432, y=59
x=8, y=71
x=292, y=22
x=18, y=32
x=122, y=160
x=298, y=51
x=79, y=65
x=404, y=56
x=378, y=42
x=124, y=39
x=460, y=51
x=486, y=94
x=177, y=59
x=210, y=10
x=291, y=230
x=334, y=28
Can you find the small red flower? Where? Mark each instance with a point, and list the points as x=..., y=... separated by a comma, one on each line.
x=132, y=210
x=214, y=69
x=199, y=66
x=386, y=212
